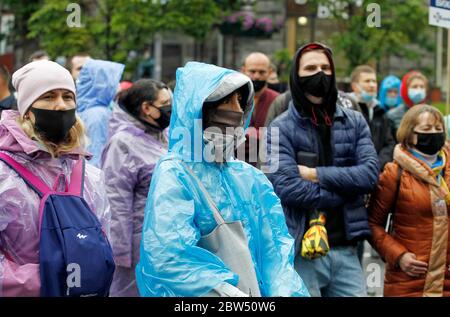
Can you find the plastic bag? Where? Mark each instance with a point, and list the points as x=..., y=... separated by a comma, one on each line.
x=315, y=241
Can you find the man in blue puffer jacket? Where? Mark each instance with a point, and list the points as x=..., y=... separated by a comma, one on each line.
x=322, y=158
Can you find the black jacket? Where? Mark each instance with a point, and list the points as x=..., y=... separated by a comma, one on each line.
x=341, y=186
x=381, y=133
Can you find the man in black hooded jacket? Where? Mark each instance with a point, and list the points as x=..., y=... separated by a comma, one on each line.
x=324, y=161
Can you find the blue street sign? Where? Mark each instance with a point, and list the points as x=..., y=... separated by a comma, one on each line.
x=439, y=13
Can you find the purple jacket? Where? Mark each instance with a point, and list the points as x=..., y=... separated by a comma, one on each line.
x=19, y=207
x=128, y=161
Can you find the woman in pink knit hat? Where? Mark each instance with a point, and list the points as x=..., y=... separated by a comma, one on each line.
x=41, y=164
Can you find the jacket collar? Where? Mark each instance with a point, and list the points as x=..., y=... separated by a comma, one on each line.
x=121, y=120
x=415, y=166
x=338, y=114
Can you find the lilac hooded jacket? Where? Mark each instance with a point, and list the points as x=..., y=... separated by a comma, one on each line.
x=19, y=205
x=128, y=161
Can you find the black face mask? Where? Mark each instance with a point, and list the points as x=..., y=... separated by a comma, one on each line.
x=317, y=85
x=223, y=119
x=164, y=119
x=258, y=85
x=279, y=87
x=430, y=143
x=54, y=125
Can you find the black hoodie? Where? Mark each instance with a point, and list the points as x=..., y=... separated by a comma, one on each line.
x=322, y=119
x=321, y=115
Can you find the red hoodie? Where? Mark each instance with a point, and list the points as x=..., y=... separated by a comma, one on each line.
x=404, y=89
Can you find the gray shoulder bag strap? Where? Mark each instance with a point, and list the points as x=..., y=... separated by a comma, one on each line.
x=229, y=242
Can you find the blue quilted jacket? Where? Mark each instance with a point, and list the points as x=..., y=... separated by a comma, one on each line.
x=341, y=187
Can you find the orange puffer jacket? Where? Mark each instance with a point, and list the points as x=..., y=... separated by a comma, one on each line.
x=421, y=226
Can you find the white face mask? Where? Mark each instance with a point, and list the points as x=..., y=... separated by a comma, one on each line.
x=220, y=147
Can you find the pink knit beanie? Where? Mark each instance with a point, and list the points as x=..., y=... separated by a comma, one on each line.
x=36, y=78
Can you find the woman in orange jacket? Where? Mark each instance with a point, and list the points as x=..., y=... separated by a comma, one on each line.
x=417, y=250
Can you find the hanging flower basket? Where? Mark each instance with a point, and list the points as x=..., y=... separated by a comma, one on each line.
x=245, y=24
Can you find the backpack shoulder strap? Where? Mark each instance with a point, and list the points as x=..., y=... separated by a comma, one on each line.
x=30, y=179
x=77, y=178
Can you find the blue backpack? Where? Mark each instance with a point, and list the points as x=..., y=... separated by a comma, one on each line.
x=75, y=257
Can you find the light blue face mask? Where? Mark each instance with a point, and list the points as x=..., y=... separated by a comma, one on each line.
x=390, y=101
x=366, y=97
x=416, y=95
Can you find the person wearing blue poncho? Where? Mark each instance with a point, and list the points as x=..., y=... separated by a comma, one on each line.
x=97, y=85
x=176, y=215
x=389, y=95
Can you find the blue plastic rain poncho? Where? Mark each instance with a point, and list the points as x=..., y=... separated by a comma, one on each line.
x=96, y=87
x=171, y=263
x=388, y=83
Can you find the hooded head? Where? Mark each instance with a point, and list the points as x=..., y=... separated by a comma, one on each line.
x=321, y=85
x=408, y=84
x=202, y=85
x=97, y=83
x=389, y=83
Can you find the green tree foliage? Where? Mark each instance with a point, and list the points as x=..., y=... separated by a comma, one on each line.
x=403, y=22
x=196, y=18
x=48, y=24
x=185, y=16
x=111, y=28
x=283, y=60
x=22, y=10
